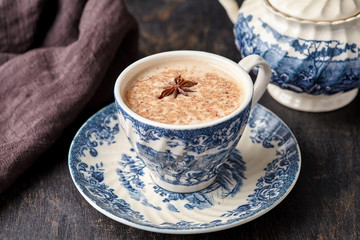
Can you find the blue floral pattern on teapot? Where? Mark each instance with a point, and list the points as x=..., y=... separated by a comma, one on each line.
x=300, y=65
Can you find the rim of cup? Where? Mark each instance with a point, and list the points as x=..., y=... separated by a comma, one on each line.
x=135, y=68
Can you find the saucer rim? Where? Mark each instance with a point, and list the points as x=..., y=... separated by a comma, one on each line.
x=153, y=228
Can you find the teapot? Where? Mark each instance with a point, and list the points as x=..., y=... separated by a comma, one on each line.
x=312, y=47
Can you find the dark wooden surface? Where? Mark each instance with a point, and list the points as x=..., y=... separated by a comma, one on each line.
x=324, y=204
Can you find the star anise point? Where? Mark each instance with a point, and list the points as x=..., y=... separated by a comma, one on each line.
x=179, y=86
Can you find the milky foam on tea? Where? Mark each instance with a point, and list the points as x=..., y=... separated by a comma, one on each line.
x=217, y=93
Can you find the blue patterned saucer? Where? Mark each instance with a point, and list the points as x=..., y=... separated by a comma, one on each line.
x=259, y=175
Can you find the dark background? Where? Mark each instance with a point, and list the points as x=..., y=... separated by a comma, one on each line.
x=324, y=204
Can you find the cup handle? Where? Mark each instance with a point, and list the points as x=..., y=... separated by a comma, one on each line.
x=263, y=76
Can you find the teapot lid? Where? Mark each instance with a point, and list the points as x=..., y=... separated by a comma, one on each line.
x=317, y=10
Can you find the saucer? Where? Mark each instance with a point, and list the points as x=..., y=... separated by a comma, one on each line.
x=259, y=175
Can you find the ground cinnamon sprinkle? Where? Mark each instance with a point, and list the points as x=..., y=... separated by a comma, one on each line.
x=215, y=95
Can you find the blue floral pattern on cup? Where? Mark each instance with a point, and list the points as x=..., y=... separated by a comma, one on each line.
x=300, y=65
x=229, y=180
x=185, y=157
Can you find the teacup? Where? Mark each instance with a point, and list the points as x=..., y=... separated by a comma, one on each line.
x=187, y=158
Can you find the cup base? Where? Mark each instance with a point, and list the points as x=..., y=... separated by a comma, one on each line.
x=181, y=188
x=311, y=103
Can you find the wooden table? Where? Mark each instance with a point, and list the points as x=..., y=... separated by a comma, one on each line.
x=324, y=204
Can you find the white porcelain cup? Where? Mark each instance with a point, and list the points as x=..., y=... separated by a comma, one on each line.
x=187, y=158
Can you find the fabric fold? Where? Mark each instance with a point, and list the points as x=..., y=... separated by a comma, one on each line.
x=73, y=65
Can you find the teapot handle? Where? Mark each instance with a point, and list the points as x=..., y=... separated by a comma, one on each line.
x=231, y=8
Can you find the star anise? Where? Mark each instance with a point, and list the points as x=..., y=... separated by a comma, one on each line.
x=180, y=86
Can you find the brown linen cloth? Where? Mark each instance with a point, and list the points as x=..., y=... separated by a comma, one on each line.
x=56, y=58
